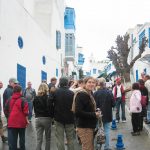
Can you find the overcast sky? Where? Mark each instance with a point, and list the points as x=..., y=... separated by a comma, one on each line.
x=98, y=22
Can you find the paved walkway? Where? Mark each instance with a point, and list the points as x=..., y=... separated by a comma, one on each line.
x=141, y=142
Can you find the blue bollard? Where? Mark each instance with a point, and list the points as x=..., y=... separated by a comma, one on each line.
x=114, y=126
x=120, y=145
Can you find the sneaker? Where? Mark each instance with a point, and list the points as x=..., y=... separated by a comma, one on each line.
x=117, y=121
x=124, y=121
x=147, y=122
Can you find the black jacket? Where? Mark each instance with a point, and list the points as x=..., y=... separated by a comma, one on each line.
x=63, y=99
x=104, y=101
x=43, y=106
x=7, y=94
x=85, y=116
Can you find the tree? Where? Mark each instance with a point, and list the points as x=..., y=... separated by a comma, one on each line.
x=119, y=55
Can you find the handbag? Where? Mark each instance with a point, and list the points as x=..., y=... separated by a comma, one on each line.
x=143, y=100
x=100, y=135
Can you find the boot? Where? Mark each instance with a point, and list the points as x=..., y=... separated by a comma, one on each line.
x=4, y=139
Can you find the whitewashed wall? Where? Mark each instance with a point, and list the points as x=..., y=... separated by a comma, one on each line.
x=16, y=20
x=139, y=65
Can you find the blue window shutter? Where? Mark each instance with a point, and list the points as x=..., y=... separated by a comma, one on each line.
x=43, y=75
x=56, y=72
x=21, y=75
x=149, y=38
x=137, y=75
x=58, y=39
x=141, y=36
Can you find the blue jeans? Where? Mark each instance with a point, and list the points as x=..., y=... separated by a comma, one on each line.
x=13, y=137
x=107, y=133
x=120, y=102
x=148, y=112
x=30, y=104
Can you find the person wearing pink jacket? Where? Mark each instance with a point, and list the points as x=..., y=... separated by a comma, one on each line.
x=135, y=109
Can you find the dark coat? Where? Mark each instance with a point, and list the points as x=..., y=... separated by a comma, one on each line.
x=85, y=115
x=43, y=106
x=63, y=99
x=7, y=94
x=104, y=101
x=144, y=92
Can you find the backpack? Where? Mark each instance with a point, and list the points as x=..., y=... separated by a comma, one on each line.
x=7, y=104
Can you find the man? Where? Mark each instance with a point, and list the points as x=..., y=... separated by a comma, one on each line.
x=9, y=90
x=147, y=85
x=52, y=85
x=64, y=118
x=29, y=94
x=104, y=101
x=4, y=139
x=119, y=97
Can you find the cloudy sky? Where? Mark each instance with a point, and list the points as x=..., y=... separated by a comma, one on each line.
x=98, y=22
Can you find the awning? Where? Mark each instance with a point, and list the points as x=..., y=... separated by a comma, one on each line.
x=103, y=74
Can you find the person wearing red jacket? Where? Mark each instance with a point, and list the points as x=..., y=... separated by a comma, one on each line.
x=17, y=119
x=119, y=97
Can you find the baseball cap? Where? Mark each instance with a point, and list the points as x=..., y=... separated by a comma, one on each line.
x=118, y=79
x=13, y=80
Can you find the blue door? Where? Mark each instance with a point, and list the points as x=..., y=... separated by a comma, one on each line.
x=21, y=75
x=43, y=75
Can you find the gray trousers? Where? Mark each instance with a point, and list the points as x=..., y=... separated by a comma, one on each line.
x=43, y=124
x=68, y=129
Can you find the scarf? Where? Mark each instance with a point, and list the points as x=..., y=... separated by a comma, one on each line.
x=91, y=98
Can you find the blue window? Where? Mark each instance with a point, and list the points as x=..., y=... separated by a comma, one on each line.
x=21, y=75
x=149, y=37
x=44, y=60
x=43, y=75
x=80, y=59
x=20, y=42
x=94, y=71
x=56, y=72
x=137, y=75
x=141, y=36
x=58, y=39
x=69, y=18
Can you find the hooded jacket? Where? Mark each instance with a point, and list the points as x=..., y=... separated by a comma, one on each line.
x=135, y=102
x=18, y=111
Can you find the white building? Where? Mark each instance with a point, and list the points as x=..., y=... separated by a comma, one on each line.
x=142, y=64
x=31, y=40
x=95, y=68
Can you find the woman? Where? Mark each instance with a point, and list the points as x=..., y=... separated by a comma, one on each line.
x=84, y=108
x=135, y=108
x=144, y=92
x=17, y=119
x=42, y=104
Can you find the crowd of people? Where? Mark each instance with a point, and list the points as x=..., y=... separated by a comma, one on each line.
x=74, y=108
